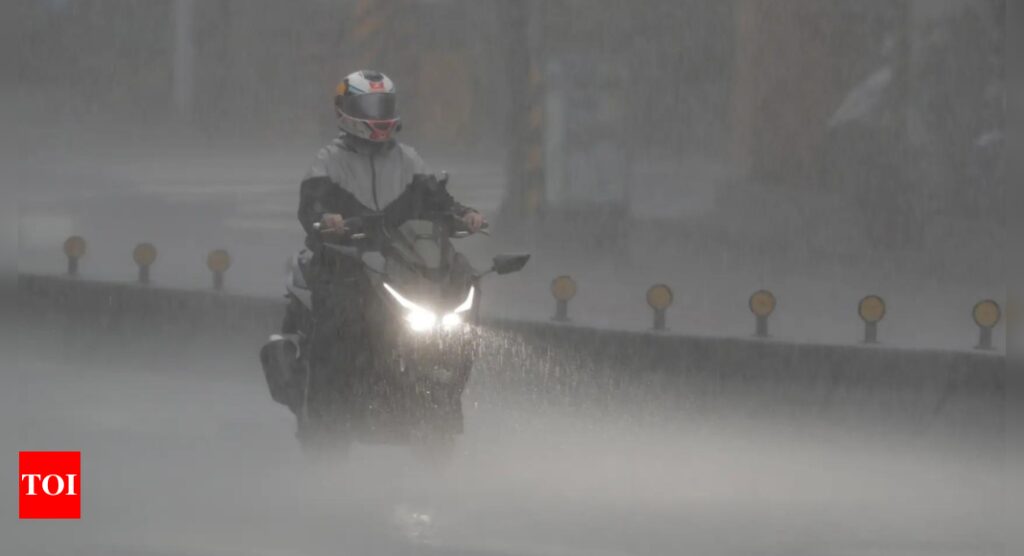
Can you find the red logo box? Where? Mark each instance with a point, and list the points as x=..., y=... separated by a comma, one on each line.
x=50, y=485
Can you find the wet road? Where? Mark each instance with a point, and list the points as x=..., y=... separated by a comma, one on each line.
x=184, y=454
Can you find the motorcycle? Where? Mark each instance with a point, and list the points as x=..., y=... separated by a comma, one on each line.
x=418, y=337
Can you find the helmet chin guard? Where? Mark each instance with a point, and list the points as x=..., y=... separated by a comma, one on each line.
x=365, y=105
x=379, y=131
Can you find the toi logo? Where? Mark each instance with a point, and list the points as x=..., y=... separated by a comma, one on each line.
x=50, y=485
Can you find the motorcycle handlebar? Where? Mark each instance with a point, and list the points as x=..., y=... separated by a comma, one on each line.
x=357, y=227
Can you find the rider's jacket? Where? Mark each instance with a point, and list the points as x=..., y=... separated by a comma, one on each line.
x=351, y=177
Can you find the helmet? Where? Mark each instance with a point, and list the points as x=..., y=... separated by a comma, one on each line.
x=365, y=104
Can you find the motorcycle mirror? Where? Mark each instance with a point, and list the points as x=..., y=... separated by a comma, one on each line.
x=507, y=264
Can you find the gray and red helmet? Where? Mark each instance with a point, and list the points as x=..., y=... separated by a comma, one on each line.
x=366, y=106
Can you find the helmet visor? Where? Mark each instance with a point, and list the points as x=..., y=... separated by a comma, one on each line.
x=372, y=106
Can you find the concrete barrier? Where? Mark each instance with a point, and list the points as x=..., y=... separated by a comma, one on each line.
x=110, y=303
x=764, y=377
x=561, y=364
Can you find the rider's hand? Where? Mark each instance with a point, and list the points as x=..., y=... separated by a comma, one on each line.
x=333, y=222
x=473, y=220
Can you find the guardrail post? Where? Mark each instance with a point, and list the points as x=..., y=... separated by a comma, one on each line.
x=144, y=255
x=762, y=304
x=659, y=298
x=74, y=248
x=563, y=288
x=986, y=315
x=870, y=332
x=218, y=261
x=984, y=338
x=871, y=310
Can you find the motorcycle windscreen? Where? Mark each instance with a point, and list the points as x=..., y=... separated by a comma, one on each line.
x=420, y=243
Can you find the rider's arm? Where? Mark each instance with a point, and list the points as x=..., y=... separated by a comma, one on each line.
x=442, y=201
x=435, y=191
x=426, y=193
x=319, y=195
x=469, y=215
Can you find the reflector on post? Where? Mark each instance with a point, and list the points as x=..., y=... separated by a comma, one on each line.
x=762, y=304
x=144, y=255
x=871, y=310
x=74, y=248
x=218, y=261
x=659, y=298
x=986, y=315
x=563, y=289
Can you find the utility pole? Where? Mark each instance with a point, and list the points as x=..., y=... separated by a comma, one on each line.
x=525, y=188
x=184, y=58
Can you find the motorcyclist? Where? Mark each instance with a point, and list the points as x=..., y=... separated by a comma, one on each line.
x=362, y=170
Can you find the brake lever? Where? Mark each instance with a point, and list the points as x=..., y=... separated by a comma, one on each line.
x=462, y=234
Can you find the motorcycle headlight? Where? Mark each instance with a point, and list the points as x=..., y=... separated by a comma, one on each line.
x=454, y=319
x=421, y=319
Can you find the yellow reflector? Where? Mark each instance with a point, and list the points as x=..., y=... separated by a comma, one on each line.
x=762, y=303
x=144, y=254
x=218, y=260
x=986, y=313
x=563, y=288
x=659, y=297
x=871, y=308
x=74, y=247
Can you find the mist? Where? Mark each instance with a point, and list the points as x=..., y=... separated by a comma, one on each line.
x=823, y=150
